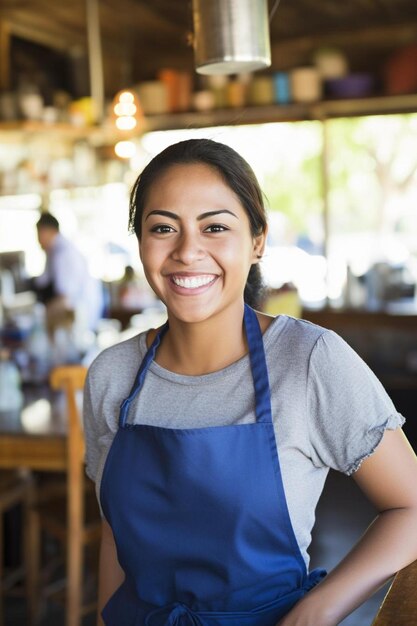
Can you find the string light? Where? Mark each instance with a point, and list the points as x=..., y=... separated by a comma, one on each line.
x=127, y=115
x=125, y=149
x=126, y=122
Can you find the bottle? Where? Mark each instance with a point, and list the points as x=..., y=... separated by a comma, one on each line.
x=11, y=397
x=38, y=347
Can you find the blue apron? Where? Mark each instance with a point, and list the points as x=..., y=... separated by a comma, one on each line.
x=200, y=518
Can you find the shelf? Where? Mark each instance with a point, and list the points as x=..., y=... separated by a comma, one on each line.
x=96, y=135
x=230, y=117
x=99, y=135
x=329, y=109
x=35, y=127
x=383, y=105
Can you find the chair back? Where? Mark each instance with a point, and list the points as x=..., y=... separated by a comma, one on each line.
x=399, y=607
x=70, y=379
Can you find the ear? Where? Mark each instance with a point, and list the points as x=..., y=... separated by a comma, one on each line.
x=259, y=243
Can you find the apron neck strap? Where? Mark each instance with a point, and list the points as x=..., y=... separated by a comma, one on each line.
x=257, y=362
x=258, y=366
x=140, y=376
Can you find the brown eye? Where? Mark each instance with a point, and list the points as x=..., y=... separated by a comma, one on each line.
x=215, y=228
x=162, y=229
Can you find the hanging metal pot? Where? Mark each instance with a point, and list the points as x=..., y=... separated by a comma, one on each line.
x=231, y=36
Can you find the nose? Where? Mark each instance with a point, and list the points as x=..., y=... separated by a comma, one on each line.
x=188, y=249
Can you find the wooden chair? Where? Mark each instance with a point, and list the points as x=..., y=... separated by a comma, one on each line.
x=15, y=489
x=399, y=607
x=70, y=516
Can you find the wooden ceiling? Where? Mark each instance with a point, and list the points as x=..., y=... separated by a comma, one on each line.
x=141, y=36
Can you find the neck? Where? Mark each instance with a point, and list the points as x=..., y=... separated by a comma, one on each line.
x=52, y=240
x=208, y=346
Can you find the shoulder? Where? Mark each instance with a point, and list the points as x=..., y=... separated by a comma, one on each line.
x=65, y=248
x=296, y=334
x=119, y=359
x=61, y=244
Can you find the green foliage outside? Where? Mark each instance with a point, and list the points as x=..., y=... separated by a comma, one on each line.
x=371, y=171
x=372, y=174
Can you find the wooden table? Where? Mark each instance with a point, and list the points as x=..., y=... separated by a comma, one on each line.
x=35, y=436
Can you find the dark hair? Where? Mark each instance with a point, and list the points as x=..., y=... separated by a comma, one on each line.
x=236, y=173
x=47, y=220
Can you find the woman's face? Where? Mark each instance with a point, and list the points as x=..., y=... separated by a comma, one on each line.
x=196, y=245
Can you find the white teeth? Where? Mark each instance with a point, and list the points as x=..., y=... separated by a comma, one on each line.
x=192, y=282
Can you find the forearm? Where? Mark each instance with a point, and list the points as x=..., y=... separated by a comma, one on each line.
x=111, y=574
x=388, y=545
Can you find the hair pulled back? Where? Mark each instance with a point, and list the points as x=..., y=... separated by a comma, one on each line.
x=236, y=173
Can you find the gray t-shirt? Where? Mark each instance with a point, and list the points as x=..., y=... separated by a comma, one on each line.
x=329, y=409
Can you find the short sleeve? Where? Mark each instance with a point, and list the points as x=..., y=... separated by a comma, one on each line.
x=348, y=408
x=92, y=450
x=97, y=432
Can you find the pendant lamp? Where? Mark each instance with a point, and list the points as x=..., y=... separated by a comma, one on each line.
x=231, y=36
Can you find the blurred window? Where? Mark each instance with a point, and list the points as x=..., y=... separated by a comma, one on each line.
x=372, y=201
x=372, y=221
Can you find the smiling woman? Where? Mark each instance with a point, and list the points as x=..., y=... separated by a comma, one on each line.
x=211, y=437
x=234, y=178
x=197, y=243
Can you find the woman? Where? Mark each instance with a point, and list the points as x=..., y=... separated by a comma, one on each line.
x=203, y=523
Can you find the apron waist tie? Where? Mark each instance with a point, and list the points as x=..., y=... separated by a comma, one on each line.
x=176, y=614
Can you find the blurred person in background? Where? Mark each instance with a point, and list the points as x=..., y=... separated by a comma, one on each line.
x=66, y=284
x=134, y=293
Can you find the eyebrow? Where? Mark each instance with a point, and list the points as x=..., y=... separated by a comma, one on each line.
x=203, y=216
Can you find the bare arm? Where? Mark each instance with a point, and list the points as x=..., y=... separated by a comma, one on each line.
x=389, y=479
x=111, y=574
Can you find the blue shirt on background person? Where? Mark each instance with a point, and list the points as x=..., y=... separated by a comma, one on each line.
x=66, y=277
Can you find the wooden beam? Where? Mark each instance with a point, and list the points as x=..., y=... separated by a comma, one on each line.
x=95, y=57
x=44, y=32
x=288, y=51
x=325, y=176
x=139, y=17
x=4, y=56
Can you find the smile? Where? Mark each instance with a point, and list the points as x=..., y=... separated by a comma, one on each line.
x=193, y=282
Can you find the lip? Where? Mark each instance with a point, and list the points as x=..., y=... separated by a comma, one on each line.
x=187, y=291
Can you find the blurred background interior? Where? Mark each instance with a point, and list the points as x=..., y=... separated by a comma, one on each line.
x=89, y=93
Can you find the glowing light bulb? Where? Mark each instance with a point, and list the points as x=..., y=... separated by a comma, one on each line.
x=125, y=149
x=126, y=97
x=127, y=112
x=126, y=123
x=125, y=108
